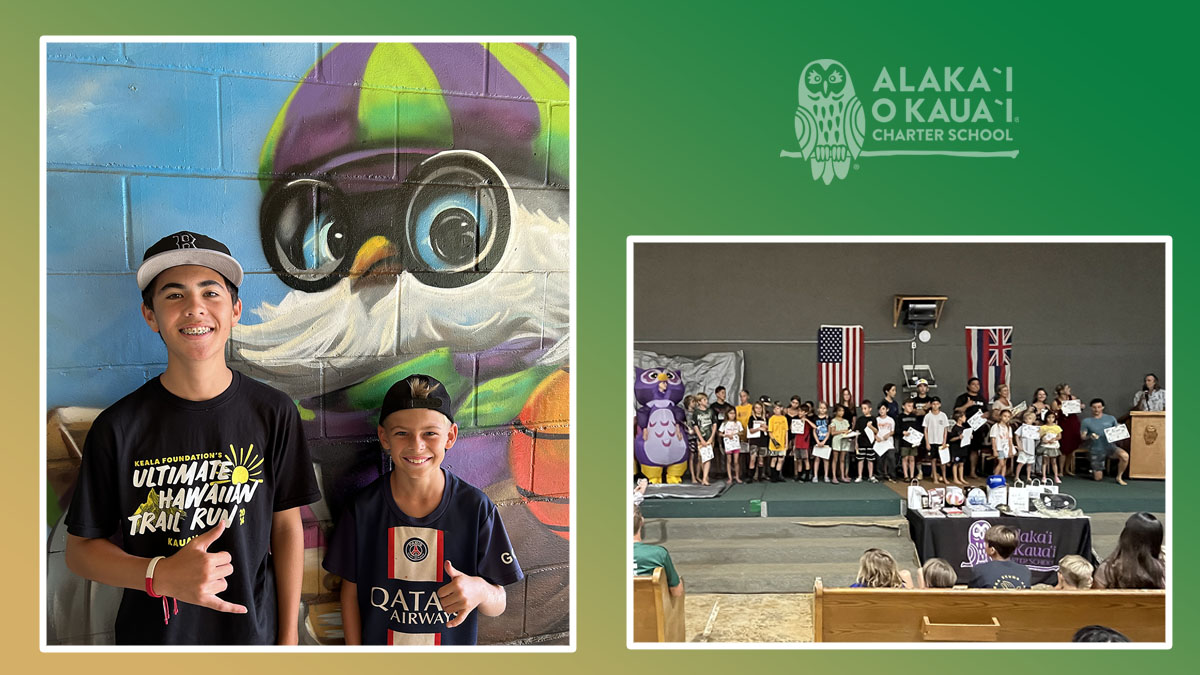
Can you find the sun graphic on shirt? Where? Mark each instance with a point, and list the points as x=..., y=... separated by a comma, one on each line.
x=247, y=467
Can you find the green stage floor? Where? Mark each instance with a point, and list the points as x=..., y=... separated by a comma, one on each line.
x=883, y=499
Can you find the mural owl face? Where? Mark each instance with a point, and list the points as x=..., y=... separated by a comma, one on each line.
x=825, y=79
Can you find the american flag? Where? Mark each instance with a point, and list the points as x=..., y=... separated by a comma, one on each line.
x=839, y=362
x=989, y=356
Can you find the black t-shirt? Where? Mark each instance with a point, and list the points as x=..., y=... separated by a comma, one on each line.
x=979, y=403
x=398, y=562
x=920, y=403
x=1000, y=574
x=719, y=411
x=860, y=425
x=763, y=437
x=908, y=421
x=158, y=470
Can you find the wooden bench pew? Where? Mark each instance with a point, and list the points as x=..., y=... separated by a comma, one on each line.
x=657, y=615
x=980, y=615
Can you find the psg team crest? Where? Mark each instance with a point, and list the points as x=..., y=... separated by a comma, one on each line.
x=416, y=549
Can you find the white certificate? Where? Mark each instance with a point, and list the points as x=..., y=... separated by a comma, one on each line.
x=1072, y=407
x=976, y=420
x=706, y=452
x=797, y=426
x=851, y=434
x=912, y=436
x=1020, y=408
x=966, y=438
x=870, y=434
x=944, y=454
x=753, y=433
x=732, y=444
x=821, y=451
x=882, y=447
x=1117, y=433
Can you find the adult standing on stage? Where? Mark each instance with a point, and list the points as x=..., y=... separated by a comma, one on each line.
x=1001, y=401
x=1070, y=425
x=1040, y=405
x=969, y=403
x=1152, y=397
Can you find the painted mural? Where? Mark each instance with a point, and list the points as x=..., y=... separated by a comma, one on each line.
x=398, y=208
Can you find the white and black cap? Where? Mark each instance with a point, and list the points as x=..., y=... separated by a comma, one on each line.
x=188, y=248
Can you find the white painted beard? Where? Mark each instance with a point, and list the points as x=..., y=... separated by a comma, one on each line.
x=358, y=328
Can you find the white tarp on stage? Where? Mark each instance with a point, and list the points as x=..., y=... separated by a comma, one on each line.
x=700, y=374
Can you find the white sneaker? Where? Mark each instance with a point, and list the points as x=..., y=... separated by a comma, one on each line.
x=826, y=479
x=858, y=480
x=874, y=479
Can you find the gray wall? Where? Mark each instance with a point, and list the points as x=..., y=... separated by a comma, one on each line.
x=1091, y=314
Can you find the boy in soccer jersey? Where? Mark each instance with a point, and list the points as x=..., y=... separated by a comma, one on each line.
x=190, y=487
x=419, y=549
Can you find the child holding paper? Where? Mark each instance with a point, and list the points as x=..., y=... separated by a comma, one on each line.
x=1001, y=436
x=1050, y=434
x=909, y=421
x=1027, y=441
x=801, y=430
x=864, y=424
x=731, y=431
x=756, y=437
x=884, y=428
x=689, y=413
x=820, y=432
x=839, y=426
x=705, y=430
x=777, y=451
x=935, y=424
x=959, y=451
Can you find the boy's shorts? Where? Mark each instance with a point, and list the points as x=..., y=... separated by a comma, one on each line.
x=861, y=453
x=1025, y=458
x=776, y=453
x=800, y=453
x=908, y=451
x=760, y=450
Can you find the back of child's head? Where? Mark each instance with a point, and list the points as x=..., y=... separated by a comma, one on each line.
x=806, y=407
x=638, y=520
x=689, y=400
x=1096, y=633
x=959, y=415
x=1003, y=539
x=1075, y=571
x=877, y=569
x=938, y=573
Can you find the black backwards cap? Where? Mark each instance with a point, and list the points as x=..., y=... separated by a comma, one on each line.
x=417, y=391
x=187, y=248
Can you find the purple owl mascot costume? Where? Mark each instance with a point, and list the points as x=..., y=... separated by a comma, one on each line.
x=661, y=438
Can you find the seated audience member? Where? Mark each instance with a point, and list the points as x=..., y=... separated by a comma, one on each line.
x=1074, y=574
x=1137, y=561
x=640, y=483
x=1095, y=633
x=999, y=571
x=877, y=569
x=646, y=557
x=936, y=573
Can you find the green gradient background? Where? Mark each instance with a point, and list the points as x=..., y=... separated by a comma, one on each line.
x=682, y=112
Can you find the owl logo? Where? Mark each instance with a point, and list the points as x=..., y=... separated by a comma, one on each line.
x=830, y=122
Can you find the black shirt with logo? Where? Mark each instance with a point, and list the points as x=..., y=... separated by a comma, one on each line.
x=158, y=470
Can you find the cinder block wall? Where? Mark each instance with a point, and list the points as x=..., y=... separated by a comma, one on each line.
x=146, y=139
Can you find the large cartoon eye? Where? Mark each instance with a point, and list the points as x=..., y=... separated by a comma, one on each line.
x=306, y=234
x=672, y=377
x=650, y=376
x=814, y=77
x=457, y=219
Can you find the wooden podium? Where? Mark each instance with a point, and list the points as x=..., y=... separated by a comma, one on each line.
x=1147, y=444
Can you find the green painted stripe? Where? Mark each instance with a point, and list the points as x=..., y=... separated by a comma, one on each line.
x=438, y=363
x=543, y=84
x=423, y=117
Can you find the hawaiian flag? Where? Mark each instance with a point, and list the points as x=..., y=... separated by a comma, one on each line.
x=839, y=363
x=989, y=356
